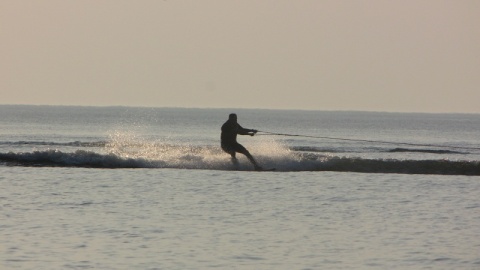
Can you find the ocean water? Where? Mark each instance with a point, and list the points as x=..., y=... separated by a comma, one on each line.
x=149, y=188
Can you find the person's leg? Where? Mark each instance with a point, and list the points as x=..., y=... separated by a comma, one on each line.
x=230, y=149
x=242, y=150
x=234, y=159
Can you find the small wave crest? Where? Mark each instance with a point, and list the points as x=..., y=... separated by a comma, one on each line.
x=394, y=150
x=79, y=158
x=442, y=167
x=47, y=143
x=431, y=151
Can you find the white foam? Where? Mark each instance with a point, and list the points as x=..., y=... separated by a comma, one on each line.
x=269, y=152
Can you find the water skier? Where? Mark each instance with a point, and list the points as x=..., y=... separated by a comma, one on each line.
x=229, y=143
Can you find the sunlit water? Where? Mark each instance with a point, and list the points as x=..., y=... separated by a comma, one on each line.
x=131, y=188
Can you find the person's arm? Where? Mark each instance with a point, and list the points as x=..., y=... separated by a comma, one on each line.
x=246, y=131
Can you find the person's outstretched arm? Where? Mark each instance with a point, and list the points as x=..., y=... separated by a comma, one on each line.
x=246, y=131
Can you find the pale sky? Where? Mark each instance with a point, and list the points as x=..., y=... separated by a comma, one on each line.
x=399, y=56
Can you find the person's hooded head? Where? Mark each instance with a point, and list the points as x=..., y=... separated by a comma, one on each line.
x=232, y=117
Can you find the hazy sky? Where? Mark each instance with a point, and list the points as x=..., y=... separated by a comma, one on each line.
x=418, y=56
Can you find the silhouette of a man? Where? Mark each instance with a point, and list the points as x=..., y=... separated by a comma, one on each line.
x=230, y=129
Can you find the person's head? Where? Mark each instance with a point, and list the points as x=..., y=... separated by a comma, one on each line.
x=232, y=117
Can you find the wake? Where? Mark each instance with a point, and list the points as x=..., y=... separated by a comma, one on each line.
x=128, y=151
x=215, y=160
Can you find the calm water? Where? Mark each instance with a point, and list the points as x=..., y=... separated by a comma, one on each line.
x=146, y=188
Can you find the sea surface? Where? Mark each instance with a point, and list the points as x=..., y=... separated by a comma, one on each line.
x=150, y=188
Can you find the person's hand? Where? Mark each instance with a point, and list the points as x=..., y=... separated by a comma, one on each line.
x=253, y=132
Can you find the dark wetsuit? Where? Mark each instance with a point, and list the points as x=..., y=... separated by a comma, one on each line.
x=229, y=143
x=229, y=137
